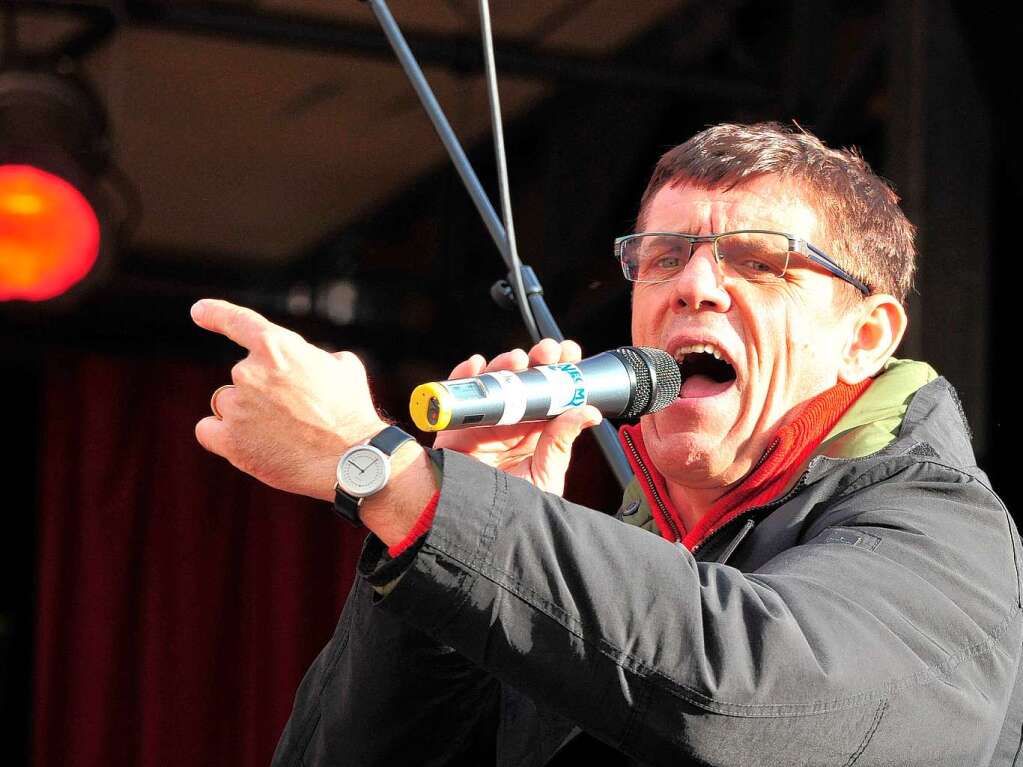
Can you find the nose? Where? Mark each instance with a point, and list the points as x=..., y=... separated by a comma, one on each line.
x=698, y=287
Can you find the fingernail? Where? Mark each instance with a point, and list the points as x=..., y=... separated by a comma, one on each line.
x=197, y=308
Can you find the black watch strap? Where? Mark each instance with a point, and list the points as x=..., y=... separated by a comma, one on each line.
x=387, y=442
x=390, y=439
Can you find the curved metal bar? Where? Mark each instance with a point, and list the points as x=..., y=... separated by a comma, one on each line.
x=515, y=269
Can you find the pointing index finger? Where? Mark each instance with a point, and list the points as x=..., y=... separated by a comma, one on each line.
x=241, y=325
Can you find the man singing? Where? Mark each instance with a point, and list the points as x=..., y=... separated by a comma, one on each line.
x=809, y=568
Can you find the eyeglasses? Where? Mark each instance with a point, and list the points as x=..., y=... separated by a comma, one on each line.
x=755, y=255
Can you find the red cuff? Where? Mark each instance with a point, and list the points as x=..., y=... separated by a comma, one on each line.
x=419, y=529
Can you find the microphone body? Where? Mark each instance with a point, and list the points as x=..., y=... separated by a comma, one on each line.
x=625, y=382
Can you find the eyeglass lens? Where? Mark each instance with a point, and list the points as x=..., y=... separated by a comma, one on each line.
x=756, y=257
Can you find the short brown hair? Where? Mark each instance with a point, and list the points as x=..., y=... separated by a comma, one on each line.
x=870, y=236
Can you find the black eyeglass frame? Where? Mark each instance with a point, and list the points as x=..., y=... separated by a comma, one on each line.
x=797, y=245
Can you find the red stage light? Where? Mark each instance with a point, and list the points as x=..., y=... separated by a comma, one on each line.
x=49, y=234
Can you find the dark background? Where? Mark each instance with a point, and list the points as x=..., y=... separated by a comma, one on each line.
x=156, y=606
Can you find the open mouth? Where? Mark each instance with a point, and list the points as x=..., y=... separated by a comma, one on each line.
x=704, y=373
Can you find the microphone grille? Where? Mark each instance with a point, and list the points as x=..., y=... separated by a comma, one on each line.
x=658, y=379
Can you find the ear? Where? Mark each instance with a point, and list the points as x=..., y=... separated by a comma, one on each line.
x=875, y=330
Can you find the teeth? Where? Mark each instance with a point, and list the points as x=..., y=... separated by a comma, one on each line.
x=682, y=351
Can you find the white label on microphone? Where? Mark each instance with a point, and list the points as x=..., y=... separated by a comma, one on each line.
x=568, y=389
x=514, y=395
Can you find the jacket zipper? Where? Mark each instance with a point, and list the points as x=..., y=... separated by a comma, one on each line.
x=653, y=488
x=746, y=514
x=765, y=455
x=731, y=547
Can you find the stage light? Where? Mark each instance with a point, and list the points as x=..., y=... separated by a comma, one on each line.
x=53, y=150
x=49, y=234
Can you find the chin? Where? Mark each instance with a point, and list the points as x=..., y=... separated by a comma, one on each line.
x=692, y=458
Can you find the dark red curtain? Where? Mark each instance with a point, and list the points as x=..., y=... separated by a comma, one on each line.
x=179, y=602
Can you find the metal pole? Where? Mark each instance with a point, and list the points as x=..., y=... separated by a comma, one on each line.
x=442, y=126
x=604, y=433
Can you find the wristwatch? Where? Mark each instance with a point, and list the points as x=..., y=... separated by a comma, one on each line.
x=364, y=470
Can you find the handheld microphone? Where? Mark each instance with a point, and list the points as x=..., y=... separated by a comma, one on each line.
x=622, y=383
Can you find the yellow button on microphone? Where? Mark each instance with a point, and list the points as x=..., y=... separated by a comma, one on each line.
x=430, y=406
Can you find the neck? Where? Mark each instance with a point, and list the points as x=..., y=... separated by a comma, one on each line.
x=693, y=503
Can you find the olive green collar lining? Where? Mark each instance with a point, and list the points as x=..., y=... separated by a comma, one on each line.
x=873, y=420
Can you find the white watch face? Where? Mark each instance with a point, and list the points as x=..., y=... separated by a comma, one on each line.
x=362, y=471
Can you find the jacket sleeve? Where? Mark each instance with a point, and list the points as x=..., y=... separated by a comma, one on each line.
x=902, y=607
x=383, y=693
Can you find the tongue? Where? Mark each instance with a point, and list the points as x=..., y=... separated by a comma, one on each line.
x=702, y=386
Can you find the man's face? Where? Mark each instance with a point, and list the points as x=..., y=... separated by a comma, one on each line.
x=782, y=341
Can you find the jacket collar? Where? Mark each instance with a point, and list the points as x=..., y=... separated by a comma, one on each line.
x=872, y=422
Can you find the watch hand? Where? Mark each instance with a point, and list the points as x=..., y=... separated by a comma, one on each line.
x=360, y=468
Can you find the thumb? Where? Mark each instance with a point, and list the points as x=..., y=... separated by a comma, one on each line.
x=554, y=448
x=209, y=432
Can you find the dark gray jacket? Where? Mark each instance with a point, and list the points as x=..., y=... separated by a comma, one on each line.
x=870, y=617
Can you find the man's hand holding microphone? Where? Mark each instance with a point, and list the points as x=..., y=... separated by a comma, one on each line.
x=293, y=409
